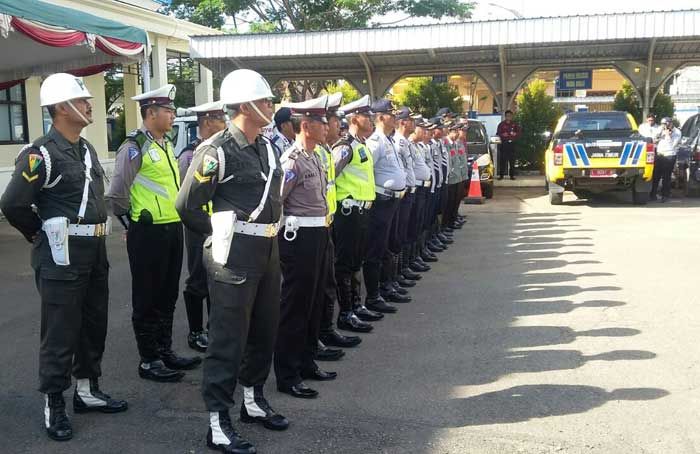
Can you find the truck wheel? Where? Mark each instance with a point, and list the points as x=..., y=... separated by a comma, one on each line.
x=640, y=192
x=487, y=189
x=556, y=198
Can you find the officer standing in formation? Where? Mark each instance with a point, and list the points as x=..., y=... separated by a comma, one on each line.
x=211, y=119
x=355, y=191
x=390, y=186
x=283, y=133
x=303, y=247
x=238, y=171
x=55, y=198
x=328, y=334
x=144, y=186
x=425, y=253
x=435, y=243
x=423, y=177
x=404, y=277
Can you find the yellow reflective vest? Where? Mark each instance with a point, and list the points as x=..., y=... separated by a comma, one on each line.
x=327, y=161
x=356, y=181
x=157, y=183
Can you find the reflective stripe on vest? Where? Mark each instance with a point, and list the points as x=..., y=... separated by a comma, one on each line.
x=356, y=181
x=327, y=161
x=155, y=187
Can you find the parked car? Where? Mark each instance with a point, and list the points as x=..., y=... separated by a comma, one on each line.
x=594, y=152
x=686, y=175
x=184, y=130
x=478, y=149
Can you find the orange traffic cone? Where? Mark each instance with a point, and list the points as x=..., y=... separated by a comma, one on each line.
x=474, y=196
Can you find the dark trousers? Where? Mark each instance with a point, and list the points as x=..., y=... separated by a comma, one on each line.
x=429, y=215
x=74, y=303
x=449, y=216
x=416, y=219
x=506, y=158
x=245, y=309
x=330, y=288
x=663, y=168
x=381, y=217
x=404, y=218
x=155, y=259
x=303, y=278
x=350, y=238
x=196, y=284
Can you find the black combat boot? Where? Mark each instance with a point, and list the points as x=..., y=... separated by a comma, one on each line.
x=223, y=437
x=256, y=409
x=58, y=425
x=88, y=397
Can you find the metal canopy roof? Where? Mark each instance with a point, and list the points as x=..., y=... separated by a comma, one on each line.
x=427, y=49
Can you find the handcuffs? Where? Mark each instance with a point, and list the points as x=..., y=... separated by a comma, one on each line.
x=291, y=226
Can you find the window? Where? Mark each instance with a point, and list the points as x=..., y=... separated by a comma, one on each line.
x=13, y=115
x=596, y=121
x=475, y=134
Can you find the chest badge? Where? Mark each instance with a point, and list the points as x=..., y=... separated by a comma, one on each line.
x=155, y=156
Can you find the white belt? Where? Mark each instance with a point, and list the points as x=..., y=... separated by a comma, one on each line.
x=411, y=190
x=389, y=192
x=293, y=223
x=252, y=229
x=89, y=229
x=423, y=183
x=310, y=221
x=346, y=206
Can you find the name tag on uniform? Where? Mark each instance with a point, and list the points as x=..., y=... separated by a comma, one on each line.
x=155, y=156
x=363, y=155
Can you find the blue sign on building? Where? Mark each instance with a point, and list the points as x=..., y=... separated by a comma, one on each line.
x=576, y=79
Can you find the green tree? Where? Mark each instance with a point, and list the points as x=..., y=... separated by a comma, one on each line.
x=425, y=96
x=349, y=92
x=307, y=15
x=626, y=100
x=338, y=14
x=536, y=114
x=204, y=12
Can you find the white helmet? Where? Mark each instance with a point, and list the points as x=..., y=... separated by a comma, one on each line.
x=244, y=85
x=62, y=87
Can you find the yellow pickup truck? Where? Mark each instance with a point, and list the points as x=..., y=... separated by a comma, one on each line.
x=594, y=152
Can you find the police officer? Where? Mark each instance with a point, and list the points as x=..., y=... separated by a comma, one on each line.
x=404, y=277
x=423, y=175
x=303, y=247
x=238, y=171
x=454, y=177
x=143, y=191
x=431, y=195
x=462, y=152
x=355, y=193
x=210, y=120
x=390, y=186
x=434, y=243
x=283, y=133
x=328, y=334
x=55, y=199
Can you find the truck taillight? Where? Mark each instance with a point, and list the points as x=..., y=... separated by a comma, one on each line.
x=559, y=155
x=650, y=153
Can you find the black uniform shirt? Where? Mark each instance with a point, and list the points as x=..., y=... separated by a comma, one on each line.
x=245, y=171
x=62, y=195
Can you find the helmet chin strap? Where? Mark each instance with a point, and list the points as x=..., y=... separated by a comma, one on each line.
x=263, y=116
x=77, y=112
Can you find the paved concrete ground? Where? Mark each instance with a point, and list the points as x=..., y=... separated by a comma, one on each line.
x=568, y=329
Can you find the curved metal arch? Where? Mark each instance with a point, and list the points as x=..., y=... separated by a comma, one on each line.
x=665, y=79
